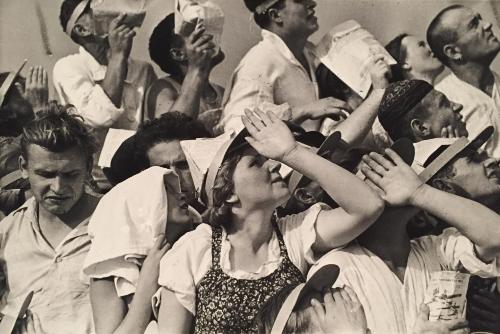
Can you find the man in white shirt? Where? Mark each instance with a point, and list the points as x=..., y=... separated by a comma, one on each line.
x=101, y=81
x=465, y=43
x=280, y=70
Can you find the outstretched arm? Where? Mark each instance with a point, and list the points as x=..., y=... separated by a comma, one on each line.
x=399, y=185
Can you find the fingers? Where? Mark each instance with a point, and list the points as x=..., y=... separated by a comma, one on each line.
x=197, y=33
x=117, y=21
x=374, y=165
x=424, y=312
x=338, y=104
x=394, y=157
x=381, y=160
x=319, y=310
x=330, y=298
x=263, y=116
x=352, y=295
x=256, y=121
x=252, y=129
x=372, y=176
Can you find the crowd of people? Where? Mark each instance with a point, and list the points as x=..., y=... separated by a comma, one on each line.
x=284, y=202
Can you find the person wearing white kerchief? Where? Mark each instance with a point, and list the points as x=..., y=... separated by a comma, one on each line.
x=128, y=231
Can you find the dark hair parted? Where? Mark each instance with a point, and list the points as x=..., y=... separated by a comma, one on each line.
x=161, y=41
x=57, y=130
x=397, y=50
x=263, y=19
x=169, y=126
x=438, y=35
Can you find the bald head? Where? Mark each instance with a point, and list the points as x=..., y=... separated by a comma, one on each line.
x=459, y=35
x=440, y=32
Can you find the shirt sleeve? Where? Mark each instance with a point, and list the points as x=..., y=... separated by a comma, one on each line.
x=457, y=251
x=249, y=89
x=299, y=234
x=183, y=267
x=74, y=86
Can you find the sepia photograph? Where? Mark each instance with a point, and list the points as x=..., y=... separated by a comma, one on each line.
x=249, y=166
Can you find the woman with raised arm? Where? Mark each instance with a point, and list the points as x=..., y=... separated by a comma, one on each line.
x=216, y=278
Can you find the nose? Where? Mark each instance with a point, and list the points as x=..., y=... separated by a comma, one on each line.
x=57, y=185
x=487, y=25
x=457, y=107
x=274, y=166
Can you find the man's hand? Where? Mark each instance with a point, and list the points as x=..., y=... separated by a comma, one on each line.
x=450, y=132
x=424, y=326
x=341, y=313
x=380, y=72
x=199, y=49
x=328, y=107
x=37, y=88
x=120, y=37
x=269, y=135
x=485, y=311
x=395, y=181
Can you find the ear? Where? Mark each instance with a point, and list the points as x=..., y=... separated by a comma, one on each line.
x=302, y=195
x=178, y=54
x=274, y=15
x=419, y=128
x=453, y=52
x=81, y=31
x=23, y=165
x=233, y=199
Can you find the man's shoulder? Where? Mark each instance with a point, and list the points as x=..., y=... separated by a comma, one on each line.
x=73, y=62
x=17, y=216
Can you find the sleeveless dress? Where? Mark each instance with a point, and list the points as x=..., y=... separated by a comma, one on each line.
x=228, y=305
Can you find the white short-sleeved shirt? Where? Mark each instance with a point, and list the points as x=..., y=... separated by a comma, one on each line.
x=392, y=306
x=269, y=74
x=184, y=266
x=479, y=109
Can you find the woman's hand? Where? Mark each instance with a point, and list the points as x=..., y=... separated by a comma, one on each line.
x=395, y=181
x=424, y=326
x=270, y=136
x=328, y=107
x=151, y=267
x=380, y=72
x=341, y=313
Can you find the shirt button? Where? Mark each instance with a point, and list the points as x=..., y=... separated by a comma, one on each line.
x=58, y=259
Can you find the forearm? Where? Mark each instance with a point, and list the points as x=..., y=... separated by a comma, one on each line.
x=114, y=79
x=351, y=193
x=189, y=98
x=355, y=128
x=300, y=114
x=474, y=220
x=139, y=314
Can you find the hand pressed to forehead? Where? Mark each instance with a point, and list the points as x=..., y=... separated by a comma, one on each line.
x=393, y=179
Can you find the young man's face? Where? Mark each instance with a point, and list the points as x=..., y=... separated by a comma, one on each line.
x=479, y=175
x=169, y=154
x=57, y=179
x=475, y=37
x=441, y=113
x=299, y=17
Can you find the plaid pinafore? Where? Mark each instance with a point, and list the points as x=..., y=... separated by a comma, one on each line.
x=228, y=305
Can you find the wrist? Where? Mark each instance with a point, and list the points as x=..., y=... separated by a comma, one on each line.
x=419, y=195
x=291, y=154
x=117, y=57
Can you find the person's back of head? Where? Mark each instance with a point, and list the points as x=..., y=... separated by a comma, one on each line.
x=163, y=43
x=15, y=110
x=438, y=35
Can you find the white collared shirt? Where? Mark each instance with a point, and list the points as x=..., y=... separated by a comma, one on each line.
x=269, y=73
x=479, y=111
x=77, y=80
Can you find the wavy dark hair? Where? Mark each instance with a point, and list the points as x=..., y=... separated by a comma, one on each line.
x=57, y=129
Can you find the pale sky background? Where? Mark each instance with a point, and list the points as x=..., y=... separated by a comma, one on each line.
x=20, y=34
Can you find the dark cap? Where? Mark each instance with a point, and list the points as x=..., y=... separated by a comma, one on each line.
x=260, y=6
x=399, y=99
